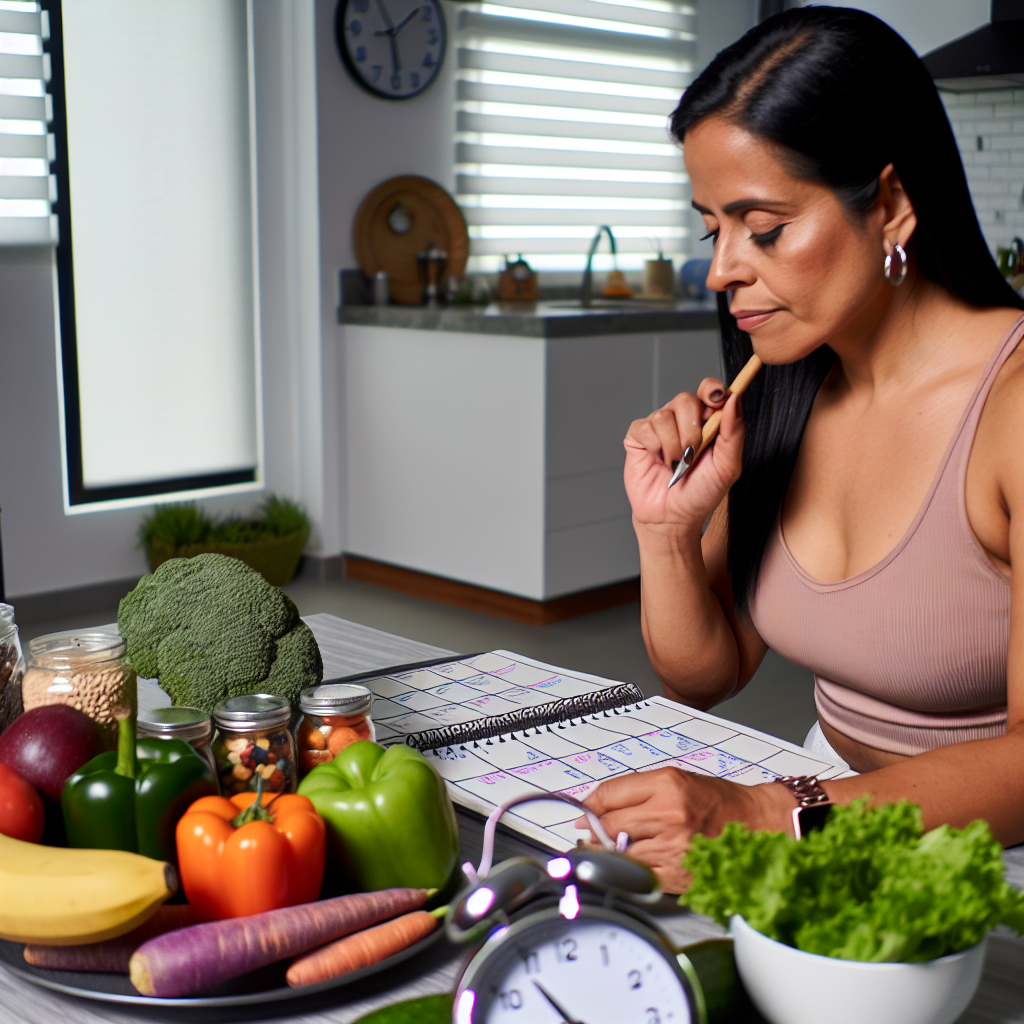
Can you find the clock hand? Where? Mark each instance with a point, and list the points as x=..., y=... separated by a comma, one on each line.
x=384, y=14
x=396, y=65
x=405, y=21
x=566, y=1019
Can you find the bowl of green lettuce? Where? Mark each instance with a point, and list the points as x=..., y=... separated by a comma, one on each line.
x=869, y=919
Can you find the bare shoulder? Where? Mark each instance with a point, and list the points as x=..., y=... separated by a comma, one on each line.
x=998, y=440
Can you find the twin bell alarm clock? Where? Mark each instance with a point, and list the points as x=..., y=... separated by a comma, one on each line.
x=567, y=940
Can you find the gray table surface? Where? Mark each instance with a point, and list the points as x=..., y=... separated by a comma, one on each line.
x=349, y=648
x=542, y=319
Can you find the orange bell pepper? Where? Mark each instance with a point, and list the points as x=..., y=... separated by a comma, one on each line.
x=237, y=857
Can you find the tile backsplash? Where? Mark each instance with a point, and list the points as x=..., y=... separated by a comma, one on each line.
x=989, y=129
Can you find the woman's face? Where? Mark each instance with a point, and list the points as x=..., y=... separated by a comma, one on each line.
x=801, y=270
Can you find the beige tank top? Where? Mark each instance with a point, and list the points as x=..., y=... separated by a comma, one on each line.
x=910, y=654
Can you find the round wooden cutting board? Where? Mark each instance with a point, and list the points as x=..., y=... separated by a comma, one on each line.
x=428, y=218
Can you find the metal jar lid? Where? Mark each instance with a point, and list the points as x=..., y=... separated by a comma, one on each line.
x=175, y=723
x=252, y=711
x=75, y=650
x=336, y=699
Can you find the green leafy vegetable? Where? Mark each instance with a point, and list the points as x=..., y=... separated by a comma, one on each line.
x=871, y=885
x=209, y=627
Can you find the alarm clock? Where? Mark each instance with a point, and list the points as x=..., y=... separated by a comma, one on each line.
x=567, y=941
x=599, y=965
x=392, y=48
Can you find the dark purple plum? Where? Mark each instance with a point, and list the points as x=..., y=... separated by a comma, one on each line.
x=46, y=745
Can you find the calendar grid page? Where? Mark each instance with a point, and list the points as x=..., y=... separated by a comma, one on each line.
x=572, y=756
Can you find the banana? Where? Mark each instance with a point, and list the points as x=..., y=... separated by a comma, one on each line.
x=61, y=897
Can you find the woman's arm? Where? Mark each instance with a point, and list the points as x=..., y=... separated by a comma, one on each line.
x=662, y=810
x=700, y=652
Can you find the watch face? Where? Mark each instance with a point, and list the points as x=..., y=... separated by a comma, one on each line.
x=392, y=48
x=604, y=967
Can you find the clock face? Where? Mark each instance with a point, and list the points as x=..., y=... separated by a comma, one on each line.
x=392, y=48
x=602, y=968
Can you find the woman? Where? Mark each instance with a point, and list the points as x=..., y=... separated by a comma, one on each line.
x=866, y=499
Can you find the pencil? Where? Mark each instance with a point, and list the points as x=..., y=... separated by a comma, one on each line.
x=714, y=421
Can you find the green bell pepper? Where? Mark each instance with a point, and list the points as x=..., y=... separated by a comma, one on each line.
x=390, y=821
x=132, y=799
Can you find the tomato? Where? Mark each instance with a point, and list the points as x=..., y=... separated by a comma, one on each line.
x=21, y=807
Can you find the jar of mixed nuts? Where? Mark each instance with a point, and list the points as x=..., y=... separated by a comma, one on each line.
x=334, y=715
x=189, y=724
x=252, y=741
x=85, y=670
x=12, y=668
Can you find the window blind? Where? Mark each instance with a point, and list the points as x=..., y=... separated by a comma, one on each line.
x=562, y=108
x=157, y=259
x=27, y=188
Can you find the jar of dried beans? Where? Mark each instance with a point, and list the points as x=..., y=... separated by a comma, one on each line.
x=12, y=668
x=85, y=670
x=334, y=715
x=253, y=741
x=189, y=724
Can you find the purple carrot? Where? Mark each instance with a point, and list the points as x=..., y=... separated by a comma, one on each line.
x=112, y=955
x=196, y=959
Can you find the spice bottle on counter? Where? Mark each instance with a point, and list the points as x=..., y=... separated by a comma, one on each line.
x=85, y=670
x=12, y=668
x=334, y=715
x=253, y=741
x=189, y=724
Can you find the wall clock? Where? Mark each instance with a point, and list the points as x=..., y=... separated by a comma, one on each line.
x=392, y=48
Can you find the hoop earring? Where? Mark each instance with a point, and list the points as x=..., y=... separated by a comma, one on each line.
x=898, y=250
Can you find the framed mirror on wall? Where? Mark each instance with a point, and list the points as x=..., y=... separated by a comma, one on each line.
x=151, y=136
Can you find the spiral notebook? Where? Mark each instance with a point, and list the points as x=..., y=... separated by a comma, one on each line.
x=498, y=725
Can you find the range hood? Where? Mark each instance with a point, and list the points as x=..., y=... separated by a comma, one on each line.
x=992, y=57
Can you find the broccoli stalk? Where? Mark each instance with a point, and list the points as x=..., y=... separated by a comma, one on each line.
x=209, y=627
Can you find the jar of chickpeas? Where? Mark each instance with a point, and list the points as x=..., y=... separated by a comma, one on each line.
x=253, y=742
x=334, y=716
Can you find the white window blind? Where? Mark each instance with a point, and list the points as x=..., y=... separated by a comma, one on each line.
x=27, y=188
x=160, y=336
x=561, y=126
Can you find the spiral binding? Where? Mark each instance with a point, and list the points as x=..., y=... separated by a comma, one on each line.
x=609, y=699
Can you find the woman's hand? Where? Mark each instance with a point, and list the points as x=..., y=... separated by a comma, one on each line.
x=662, y=810
x=655, y=443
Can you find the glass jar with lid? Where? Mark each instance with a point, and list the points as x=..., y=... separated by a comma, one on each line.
x=334, y=715
x=189, y=724
x=253, y=741
x=12, y=667
x=85, y=670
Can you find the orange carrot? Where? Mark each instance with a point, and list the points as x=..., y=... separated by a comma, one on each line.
x=363, y=949
x=195, y=959
x=113, y=955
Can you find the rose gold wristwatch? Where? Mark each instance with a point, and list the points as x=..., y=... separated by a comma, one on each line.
x=812, y=803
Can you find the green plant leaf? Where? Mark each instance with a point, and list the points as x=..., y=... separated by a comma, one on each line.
x=871, y=885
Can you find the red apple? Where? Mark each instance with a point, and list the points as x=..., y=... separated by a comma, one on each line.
x=46, y=745
x=21, y=808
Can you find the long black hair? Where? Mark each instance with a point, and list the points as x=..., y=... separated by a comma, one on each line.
x=843, y=95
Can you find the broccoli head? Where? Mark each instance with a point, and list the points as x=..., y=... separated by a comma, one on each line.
x=209, y=627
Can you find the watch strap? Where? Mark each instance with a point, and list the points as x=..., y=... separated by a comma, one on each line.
x=806, y=788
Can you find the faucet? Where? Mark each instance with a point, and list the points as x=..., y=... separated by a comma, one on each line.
x=587, y=284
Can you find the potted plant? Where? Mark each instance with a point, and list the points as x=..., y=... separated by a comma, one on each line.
x=271, y=542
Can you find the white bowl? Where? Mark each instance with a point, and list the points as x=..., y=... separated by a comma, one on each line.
x=789, y=986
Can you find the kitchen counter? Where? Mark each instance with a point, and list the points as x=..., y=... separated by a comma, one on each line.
x=543, y=319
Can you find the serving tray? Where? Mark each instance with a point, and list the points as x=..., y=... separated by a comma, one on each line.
x=264, y=986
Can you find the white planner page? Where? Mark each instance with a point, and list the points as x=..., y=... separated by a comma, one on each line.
x=573, y=756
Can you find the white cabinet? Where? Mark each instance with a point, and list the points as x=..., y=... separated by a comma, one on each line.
x=496, y=459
